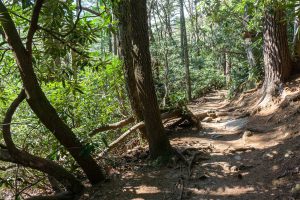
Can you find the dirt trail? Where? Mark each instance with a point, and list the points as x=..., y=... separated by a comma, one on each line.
x=228, y=160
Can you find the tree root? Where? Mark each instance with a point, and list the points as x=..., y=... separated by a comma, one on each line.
x=60, y=196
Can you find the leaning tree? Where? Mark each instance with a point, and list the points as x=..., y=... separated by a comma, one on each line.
x=40, y=105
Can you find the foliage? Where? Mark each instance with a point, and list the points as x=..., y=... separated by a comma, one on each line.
x=83, y=78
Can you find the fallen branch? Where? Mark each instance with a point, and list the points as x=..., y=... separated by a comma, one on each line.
x=167, y=115
x=113, y=126
x=122, y=123
x=122, y=137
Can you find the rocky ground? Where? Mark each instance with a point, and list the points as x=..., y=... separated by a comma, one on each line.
x=241, y=152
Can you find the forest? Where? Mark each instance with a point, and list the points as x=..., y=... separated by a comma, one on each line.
x=149, y=99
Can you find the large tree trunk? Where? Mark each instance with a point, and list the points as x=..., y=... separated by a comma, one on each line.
x=129, y=68
x=135, y=46
x=40, y=104
x=185, y=52
x=277, y=59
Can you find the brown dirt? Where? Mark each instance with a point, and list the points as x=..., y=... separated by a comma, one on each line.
x=235, y=156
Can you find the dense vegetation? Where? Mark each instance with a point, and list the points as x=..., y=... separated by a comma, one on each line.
x=76, y=53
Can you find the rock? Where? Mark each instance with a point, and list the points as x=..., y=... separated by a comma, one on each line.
x=269, y=155
x=237, y=157
x=207, y=119
x=226, y=167
x=216, y=136
x=247, y=134
x=296, y=190
x=289, y=154
x=234, y=169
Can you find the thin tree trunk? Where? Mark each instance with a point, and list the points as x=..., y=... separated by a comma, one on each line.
x=185, y=52
x=227, y=67
x=248, y=40
x=166, y=79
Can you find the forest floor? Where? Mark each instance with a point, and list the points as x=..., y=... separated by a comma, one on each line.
x=241, y=153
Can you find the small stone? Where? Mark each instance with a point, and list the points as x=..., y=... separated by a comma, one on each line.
x=237, y=157
x=289, y=154
x=268, y=156
x=226, y=167
x=234, y=169
x=207, y=119
x=296, y=189
x=216, y=136
x=247, y=134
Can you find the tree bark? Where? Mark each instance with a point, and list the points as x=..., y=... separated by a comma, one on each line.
x=277, y=60
x=135, y=46
x=185, y=52
x=227, y=67
x=248, y=40
x=39, y=102
x=296, y=39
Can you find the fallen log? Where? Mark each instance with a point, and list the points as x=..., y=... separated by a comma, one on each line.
x=113, y=126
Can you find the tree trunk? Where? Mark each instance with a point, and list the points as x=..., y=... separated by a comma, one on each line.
x=127, y=56
x=248, y=40
x=227, y=67
x=40, y=104
x=296, y=39
x=166, y=99
x=185, y=52
x=135, y=46
x=277, y=59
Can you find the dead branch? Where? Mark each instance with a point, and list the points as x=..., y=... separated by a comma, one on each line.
x=113, y=126
x=122, y=137
x=167, y=115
